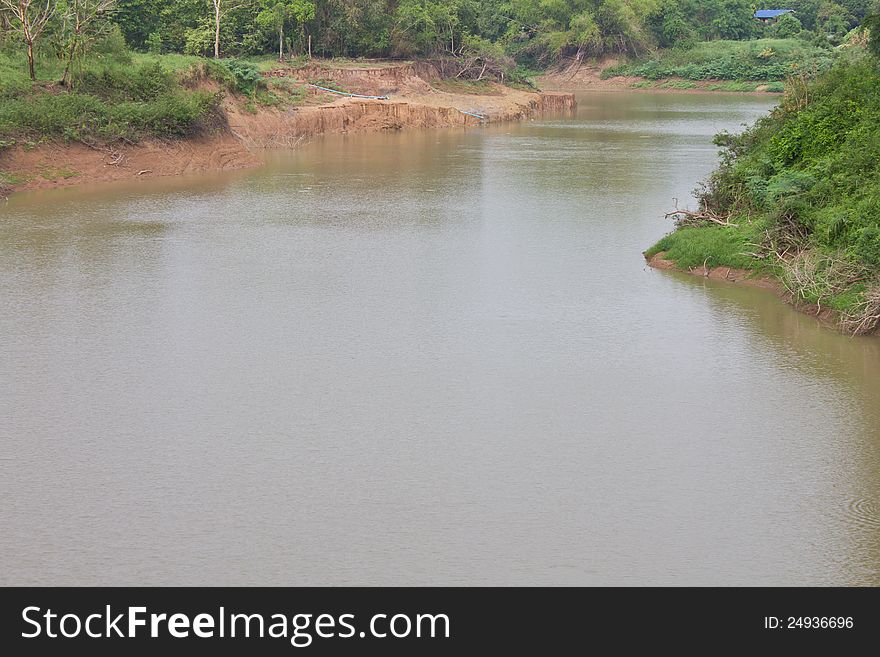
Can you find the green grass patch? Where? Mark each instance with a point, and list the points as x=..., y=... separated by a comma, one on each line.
x=56, y=173
x=9, y=179
x=459, y=86
x=762, y=59
x=742, y=87
x=679, y=84
x=713, y=246
x=113, y=98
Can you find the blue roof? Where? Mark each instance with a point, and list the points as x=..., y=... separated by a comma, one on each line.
x=772, y=13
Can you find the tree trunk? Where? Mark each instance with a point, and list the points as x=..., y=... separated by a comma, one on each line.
x=216, y=29
x=30, y=56
x=310, y=46
x=281, y=44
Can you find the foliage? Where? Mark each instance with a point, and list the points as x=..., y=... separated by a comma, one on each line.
x=712, y=246
x=786, y=27
x=872, y=24
x=245, y=76
x=802, y=188
x=762, y=59
x=537, y=33
x=110, y=101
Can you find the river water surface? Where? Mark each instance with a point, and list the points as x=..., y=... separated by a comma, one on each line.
x=429, y=357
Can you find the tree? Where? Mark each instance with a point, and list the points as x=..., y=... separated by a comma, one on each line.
x=30, y=18
x=832, y=21
x=786, y=26
x=872, y=24
x=277, y=14
x=83, y=22
x=221, y=10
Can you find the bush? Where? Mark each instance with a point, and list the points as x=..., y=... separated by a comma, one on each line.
x=114, y=82
x=109, y=101
x=765, y=59
x=154, y=43
x=246, y=76
x=786, y=27
x=867, y=245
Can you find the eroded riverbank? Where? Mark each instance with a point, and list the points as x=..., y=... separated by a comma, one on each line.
x=415, y=99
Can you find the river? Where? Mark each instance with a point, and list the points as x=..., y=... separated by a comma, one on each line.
x=427, y=357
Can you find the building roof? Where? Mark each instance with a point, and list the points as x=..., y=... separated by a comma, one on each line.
x=772, y=13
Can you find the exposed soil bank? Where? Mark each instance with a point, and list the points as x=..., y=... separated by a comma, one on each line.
x=745, y=277
x=413, y=103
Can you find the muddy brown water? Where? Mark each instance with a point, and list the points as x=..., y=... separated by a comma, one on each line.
x=429, y=357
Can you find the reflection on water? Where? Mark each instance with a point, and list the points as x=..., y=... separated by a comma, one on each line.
x=431, y=357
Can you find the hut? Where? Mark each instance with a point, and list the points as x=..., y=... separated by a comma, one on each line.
x=765, y=15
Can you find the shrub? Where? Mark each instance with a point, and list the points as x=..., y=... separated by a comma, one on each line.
x=246, y=76
x=765, y=59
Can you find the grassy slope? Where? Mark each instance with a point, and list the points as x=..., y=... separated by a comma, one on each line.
x=803, y=188
x=127, y=97
x=741, y=65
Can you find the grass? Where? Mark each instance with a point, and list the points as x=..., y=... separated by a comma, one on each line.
x=122, y=97
x=459, y=86
x=745, y=87
x=730, y=85
x=758, y=60
x=129, y=96
x=712, y=246
x=679, y=84
x=8, y=179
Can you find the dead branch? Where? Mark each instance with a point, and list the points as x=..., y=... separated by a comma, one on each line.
x=698, y=218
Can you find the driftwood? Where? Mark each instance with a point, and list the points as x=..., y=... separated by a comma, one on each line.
x=699, y=217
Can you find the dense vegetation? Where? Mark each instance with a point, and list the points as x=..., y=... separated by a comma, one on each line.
x=798, y=196
x=535, y=32
x=760, y=59
x=103, y=70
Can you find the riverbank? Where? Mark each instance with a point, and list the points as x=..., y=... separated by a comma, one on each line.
x=796, y=197
x=414, y=95
x=589, y=77
x=827, y=316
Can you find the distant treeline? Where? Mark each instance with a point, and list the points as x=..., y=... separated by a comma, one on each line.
x=533, y=32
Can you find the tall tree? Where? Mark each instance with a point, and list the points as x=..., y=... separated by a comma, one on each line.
x=83, y=21
x=278, y=14
x=221, y=9
x=30, y=18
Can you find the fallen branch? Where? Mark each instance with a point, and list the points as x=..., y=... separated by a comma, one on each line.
x=698, y=218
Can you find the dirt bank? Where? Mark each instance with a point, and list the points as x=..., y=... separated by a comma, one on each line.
x=745, y=277
x=412, y=103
